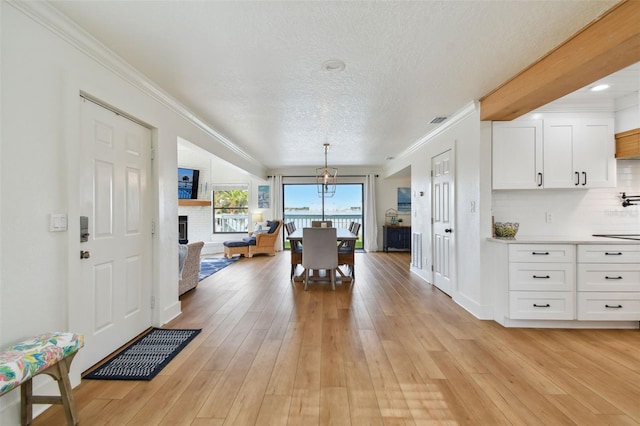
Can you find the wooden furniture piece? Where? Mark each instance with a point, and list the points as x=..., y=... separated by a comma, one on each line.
x=347, y=251
x=628, y=145
x=191, y=269
x=396, y=237
x=343, y=235
x=295, y=248
x=320, y=252
x=49, y=354
x=266, y=243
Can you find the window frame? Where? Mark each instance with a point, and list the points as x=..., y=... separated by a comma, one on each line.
x=214, y=209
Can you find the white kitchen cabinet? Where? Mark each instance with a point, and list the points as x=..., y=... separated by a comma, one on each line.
x=535, y=154
x=517, y=154
x=542, y=281
x=608, y=282
x=579, y=153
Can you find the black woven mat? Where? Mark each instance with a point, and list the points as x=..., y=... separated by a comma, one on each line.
x=145, y=357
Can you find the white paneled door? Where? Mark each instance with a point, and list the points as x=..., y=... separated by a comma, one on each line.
x=116, y=269
x=442, y=213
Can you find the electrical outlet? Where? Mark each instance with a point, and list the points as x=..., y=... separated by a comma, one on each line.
x=548, y=217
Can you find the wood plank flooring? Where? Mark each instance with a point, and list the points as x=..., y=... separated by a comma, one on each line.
x=387, y=350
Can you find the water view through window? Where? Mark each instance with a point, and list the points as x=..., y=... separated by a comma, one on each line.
x=302, y=204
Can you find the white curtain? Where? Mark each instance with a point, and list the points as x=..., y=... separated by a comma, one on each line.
x=278, y=208
x=370, y=220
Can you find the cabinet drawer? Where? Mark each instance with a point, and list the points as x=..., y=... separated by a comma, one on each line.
x=608, y=277
x=542, y=253
x=542, y=276
x=608, y=253
x=552, y=305
x=608, y=306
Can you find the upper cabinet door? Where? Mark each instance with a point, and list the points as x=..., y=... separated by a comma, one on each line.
x=517, y=154
x=579, y=153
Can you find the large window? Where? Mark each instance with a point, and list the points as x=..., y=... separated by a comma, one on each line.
x=302, y=205
x=230, y=209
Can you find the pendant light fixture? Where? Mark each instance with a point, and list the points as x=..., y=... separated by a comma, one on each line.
x=326, y=178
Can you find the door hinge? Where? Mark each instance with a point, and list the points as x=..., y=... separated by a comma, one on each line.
x=431, y=268
x=153, y=302
x=153, y=227
x=153, y=153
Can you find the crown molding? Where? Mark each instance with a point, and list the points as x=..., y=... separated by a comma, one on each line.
x=56, y=22
x=458, y=116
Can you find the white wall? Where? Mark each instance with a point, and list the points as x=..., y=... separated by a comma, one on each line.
x=42, y=75
x=470, y=142
x=627, y=113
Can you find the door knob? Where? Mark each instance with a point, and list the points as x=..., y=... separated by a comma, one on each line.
x=84, y=254
x=448, y=230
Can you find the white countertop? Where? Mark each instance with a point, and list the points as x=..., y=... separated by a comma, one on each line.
x=562, y=239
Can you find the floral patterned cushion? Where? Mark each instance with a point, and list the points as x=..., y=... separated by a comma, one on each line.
x=21, y=362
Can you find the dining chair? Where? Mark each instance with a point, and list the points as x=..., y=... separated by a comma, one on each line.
x=295, y=248
x=319, y=224
x=347, y=256
x=320, y=252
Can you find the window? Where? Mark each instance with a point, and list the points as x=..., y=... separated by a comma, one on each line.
x=230, y=209
x=302, y=205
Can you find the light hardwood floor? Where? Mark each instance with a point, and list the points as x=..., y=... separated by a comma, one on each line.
x=390, y=350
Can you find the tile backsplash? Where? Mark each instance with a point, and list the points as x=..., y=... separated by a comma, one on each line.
x=573, y=211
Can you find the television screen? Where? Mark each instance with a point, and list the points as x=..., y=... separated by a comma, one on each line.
x=188, y=183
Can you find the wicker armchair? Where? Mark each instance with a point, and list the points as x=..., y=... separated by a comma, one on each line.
x=266, y=243
x=191, y=270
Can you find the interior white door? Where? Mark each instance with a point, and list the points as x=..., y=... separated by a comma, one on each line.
x=442, y=213
x=114, y=195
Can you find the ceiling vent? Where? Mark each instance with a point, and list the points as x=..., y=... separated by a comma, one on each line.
x=437, y=120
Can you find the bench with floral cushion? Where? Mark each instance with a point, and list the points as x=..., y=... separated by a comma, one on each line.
x=258, y=241
x=49, y=353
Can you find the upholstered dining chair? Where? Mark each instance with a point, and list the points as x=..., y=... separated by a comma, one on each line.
x=320, y=252
x=319, y=224
x=296, y=248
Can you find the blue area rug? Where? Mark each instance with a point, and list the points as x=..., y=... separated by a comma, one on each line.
x=211, y=265
x=146, y=356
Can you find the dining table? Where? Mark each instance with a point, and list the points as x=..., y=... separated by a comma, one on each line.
x=342, y=236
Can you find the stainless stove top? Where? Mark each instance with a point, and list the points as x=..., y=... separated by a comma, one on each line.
x=620, y=236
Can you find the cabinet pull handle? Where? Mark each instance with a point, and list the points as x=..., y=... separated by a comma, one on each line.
x=535, y=305
x=612, y=254
x=577, y=182
x=539, y=179
x=612, y=278
x=546, y=277
x=613, y=306
x=584, y=175
x=542, y=253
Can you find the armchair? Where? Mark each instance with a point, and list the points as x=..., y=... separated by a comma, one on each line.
x=266, y=243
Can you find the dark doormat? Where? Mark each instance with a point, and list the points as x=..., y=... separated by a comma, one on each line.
x=145, y=356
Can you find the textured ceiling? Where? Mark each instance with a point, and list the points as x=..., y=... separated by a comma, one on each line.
x=253, y=70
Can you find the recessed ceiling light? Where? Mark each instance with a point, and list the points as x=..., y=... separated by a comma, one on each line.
x=599, y=87
x=333, y=65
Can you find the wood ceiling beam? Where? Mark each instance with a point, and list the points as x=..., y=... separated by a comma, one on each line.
x=607, y=45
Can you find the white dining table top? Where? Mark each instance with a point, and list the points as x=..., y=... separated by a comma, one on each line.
x=343, y=234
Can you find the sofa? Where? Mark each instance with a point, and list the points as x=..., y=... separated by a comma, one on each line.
x=257, y=242
x=191, y=268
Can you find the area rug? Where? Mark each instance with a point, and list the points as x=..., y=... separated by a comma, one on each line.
x=145, y=357
x=211, y=265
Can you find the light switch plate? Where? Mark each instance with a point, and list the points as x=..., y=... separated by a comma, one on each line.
x=57, y=222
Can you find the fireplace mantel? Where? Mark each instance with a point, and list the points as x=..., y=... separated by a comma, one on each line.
x=194, y=202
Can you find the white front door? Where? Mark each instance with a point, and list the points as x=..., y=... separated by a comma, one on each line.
x=442, y=213
x=114, y=195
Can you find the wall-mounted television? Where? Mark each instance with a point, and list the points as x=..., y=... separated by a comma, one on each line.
x=188, y=183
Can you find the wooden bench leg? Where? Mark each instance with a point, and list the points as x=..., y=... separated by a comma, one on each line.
x=60, y=372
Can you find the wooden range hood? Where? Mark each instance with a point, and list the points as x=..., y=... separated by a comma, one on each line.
x=628, y=145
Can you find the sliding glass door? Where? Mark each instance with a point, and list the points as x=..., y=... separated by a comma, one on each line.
x=302, y=204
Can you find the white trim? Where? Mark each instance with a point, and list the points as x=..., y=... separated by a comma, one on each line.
x=460, y=115
x=52, y=19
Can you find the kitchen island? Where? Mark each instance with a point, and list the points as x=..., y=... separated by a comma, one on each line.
x=566, y=281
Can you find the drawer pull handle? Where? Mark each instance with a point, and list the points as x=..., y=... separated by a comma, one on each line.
x=545, y=277
x=535, y=305
x=543, y=253
x=613, y=306
x=612, y=278
x=606, y=253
